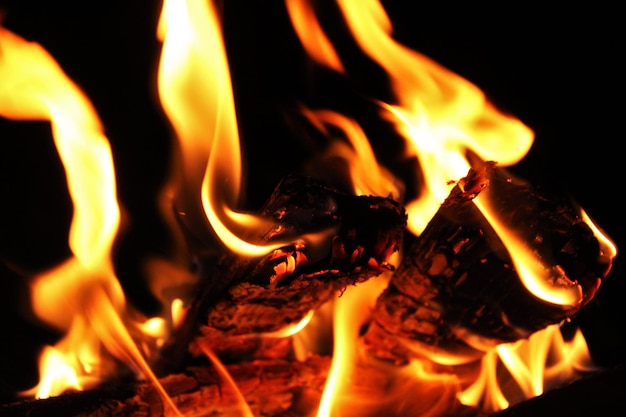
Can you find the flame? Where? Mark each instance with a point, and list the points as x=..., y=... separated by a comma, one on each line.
x=358, y=385
x=350, y=312
x=230, y=384
x=312, y=35
x=606, y=244
x=36, y=88
x=530, y=269
x=544, y=361
x=195, y=90
x=442, y=115
x=81, y=296
x=445, y=120
x=367, y=175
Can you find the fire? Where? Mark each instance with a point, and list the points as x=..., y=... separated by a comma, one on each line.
x=40, y=90
x=367, y=175
x=545, y=361
x=447, y=123
x=195, y=91
x=442, y=116
x=312, y=35
x=531, y=271
x=81, y=297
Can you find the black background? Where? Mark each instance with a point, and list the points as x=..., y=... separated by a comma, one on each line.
x=557, y=70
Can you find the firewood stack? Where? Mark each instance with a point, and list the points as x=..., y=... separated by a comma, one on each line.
x=455, y=291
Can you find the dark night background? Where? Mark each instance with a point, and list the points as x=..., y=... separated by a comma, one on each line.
x=558, y=71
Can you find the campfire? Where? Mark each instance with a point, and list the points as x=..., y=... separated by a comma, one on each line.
x=382, y=258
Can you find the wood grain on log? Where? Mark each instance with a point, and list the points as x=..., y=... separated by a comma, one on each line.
x=270, y=388
x=457, y=289
x=354, y=239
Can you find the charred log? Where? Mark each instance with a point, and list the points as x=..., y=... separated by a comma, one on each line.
x=456, y=285
x=279, y=388
x=269, y=388
x=338, y=240
x=457, y=290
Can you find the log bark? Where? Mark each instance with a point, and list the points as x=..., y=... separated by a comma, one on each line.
x=270, y=388
x=456, y=279
x=338, y=240
x=457, y=291
x=292, y=389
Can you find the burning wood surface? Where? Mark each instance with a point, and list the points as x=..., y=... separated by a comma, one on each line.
x=457, y=287
x=229, y=321
x=353, y=239
x=448, y=297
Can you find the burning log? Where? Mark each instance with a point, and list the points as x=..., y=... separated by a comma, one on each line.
x=339, y=240
x=458, y=262
x=350, y=239
x=269, y=388
x=457, y=290
x=242, y=296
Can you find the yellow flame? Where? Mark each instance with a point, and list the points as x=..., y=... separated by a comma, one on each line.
x=494, y=398
x=61, y=375
x=351, y=311
x=178, y=312
x=81, y=296
x=535, y=276
x=291, y=329
x=441, y=115
x=543, y=361
x=606, y=245
x=443, y=118
x=35, y=88
x=196, y=94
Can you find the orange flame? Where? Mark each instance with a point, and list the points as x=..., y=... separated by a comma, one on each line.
x=367, y=175
x=350, y=313
x=606, y=244
x=242, y=405
x=195, y=91
x=529, y=268
x=443, y=117
x=445, y=120
x=82, y=296
x=311, y=34
x=36, y=88
x=544, y=361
